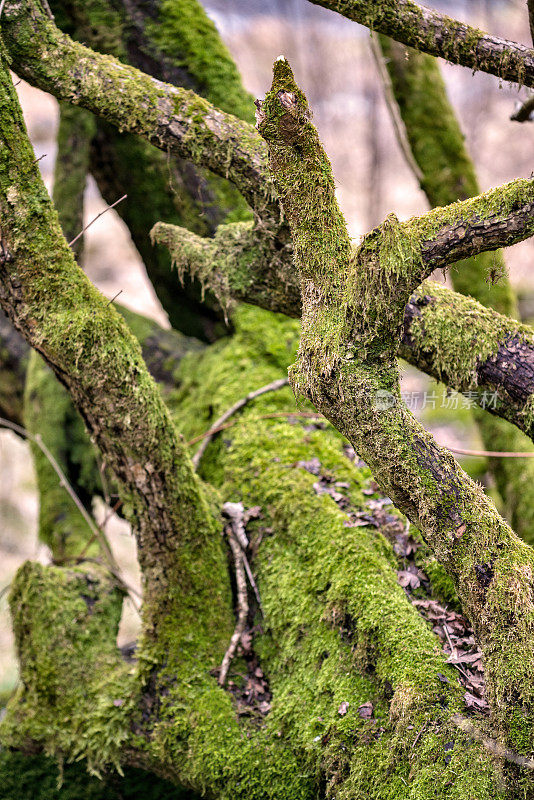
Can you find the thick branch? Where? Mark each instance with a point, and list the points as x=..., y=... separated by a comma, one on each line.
x=179, y=44
x=177, y=120
x=346, y=367
x=474, y=350
x=447, y=174
x=172, y=118
x=439, y=35
x=498, y=218
x=95, y=356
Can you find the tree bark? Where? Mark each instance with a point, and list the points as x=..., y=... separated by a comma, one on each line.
x=447, y=174
x=346, y=367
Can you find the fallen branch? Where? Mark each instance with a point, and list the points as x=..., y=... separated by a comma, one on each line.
x=492, y=745
x=242, y=603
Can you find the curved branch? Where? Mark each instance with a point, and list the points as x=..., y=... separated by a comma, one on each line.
x=474, y=350
x=93, y=353
x=174, y=119
x=431, y=32
x=498, y=218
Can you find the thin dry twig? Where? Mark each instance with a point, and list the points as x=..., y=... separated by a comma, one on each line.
x=116, y=203
x=419, y=734
x=96, y=531
x=314, y=415
x=242, y=605
x=490, y=453
x=114, y=296
x=398, y=124
x=270, y=387
x=236, y=512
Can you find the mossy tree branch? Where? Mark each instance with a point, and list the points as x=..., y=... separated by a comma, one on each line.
x=352, y=313
x=431, y=32
x=93, y=353
x=187, y=619
x=447, y=174
x=177, y=42
x=485, y=353
x=48, y=410
x=174, y=119
x=472, y=349
x=320, y=577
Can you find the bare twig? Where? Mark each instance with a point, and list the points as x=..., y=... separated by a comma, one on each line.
x=101, y=527
x=398, y=124
x=97, y=532
x=5, y=589
x=270, y=387
x=489, y=453
x=419, y=734
x=525, y=113
x=114, y=296
x=116, y=203
x=236, y=512
x=242, y=604
x=493, y=745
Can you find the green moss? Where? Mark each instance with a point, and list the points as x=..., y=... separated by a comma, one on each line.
x=97, y=23
x=37, y=778
x=184, y=32
x=337, y=627
x=448, y=175
x=63, y=621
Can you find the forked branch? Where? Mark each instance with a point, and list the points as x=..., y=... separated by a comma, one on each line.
x=352, y=308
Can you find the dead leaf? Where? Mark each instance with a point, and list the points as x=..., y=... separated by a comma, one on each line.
x=366, y=710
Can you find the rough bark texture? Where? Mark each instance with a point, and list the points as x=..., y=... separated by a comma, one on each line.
x=174, y=41
x=447, y=175
x=473, y=350
x=172, y=118
x=347, y=368
x=334, y=632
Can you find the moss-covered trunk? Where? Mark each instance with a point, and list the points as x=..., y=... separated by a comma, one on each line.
x=340, y=686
